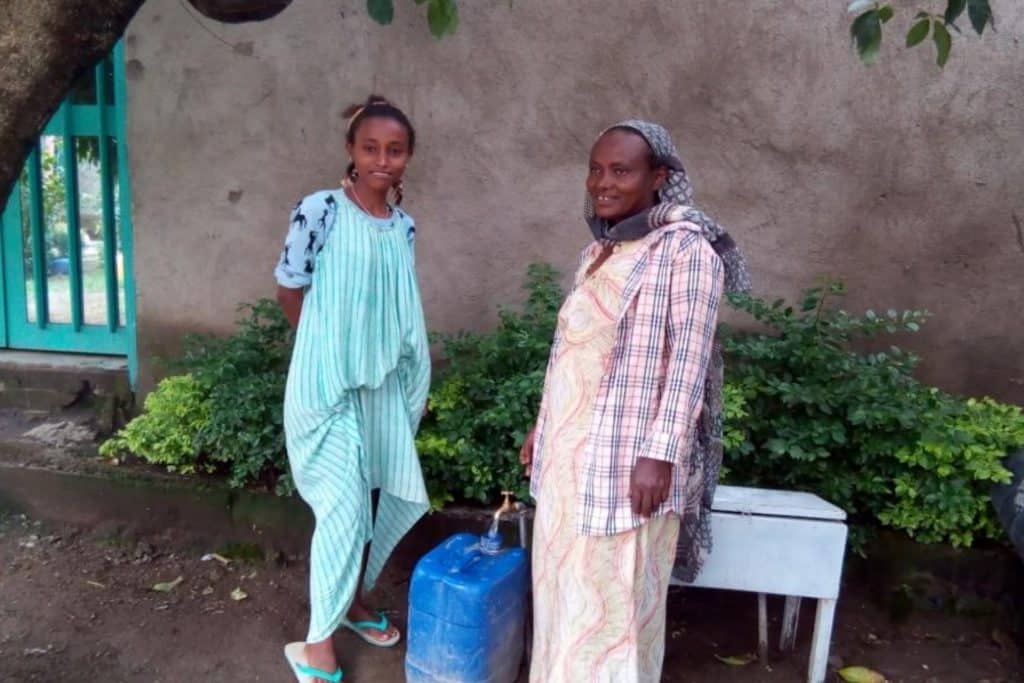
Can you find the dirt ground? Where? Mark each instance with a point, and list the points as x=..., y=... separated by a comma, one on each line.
x=78, y=604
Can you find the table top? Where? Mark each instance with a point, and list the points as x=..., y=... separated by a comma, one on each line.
x=752, y=501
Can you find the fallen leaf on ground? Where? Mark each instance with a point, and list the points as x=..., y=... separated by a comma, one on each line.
x=738, y=660
x=208, y=590
x=95, y=584
x=861, y=674
x=238, y=594
x=215, y=556
x=168, y=586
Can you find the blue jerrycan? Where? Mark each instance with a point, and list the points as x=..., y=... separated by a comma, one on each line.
x=467, y=609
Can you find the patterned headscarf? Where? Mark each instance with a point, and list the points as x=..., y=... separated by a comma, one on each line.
x=676, y=205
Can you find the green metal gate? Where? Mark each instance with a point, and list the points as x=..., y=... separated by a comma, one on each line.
x=66, y=229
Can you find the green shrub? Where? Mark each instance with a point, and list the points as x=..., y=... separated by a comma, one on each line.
x=805, y=408
x=165, y=434
x=855, y=427
x=232, y=394
x=244, y=376
x=943, y=492
x=482, y=405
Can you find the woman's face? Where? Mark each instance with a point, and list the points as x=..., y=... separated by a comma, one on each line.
x=621, y=182
x=380, y=152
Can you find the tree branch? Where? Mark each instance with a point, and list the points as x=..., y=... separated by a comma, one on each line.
x=46, y=46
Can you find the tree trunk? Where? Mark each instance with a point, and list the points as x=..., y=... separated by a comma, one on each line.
x=46, y=45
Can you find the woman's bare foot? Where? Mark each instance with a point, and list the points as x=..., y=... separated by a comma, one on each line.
x=321, y=656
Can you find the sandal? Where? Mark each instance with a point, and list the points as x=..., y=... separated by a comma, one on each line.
x=382, y=625
x=296, y=656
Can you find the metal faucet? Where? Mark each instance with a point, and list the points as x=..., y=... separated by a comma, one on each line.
x=518, y=508
x=505, y=508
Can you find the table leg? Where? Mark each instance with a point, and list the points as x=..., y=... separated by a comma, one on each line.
x=790, y=620
x=762, y=627
x=818, y=665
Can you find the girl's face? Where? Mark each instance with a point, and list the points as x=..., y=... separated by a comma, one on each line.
x=621, y=181
x=380, y=152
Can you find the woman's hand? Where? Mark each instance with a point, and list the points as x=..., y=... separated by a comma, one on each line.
x=526, y=452
x=649, y=485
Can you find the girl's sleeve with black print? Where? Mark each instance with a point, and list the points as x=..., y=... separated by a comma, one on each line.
x=310, y=221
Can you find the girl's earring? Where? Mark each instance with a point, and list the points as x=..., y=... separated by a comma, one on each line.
x=350, y=178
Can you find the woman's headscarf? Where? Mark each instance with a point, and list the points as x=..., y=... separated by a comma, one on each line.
x=676, y=205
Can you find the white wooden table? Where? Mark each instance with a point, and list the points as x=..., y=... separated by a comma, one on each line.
x=780, y=542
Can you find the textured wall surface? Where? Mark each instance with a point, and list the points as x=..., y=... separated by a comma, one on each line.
x=901, y=179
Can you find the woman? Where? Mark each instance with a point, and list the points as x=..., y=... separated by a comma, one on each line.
x=358, y=380
x=627, y=442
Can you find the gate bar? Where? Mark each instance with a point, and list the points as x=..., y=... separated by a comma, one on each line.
x=107, y=185
x=70, y=164
x=35, y=214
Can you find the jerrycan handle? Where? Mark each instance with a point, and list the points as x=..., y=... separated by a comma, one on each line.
x=520, y=509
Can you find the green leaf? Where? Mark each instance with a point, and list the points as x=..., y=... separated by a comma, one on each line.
x=954, y=9
x=381, y=11
x=943, y=44
x=737, y=660
x=860, y=674
x=980, y=13
x=443, y=17
x=168, y=586
x=866, y=31
x=885, y=13
x=918, y=32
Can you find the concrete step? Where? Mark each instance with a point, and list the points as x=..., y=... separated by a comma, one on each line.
x=39, y=383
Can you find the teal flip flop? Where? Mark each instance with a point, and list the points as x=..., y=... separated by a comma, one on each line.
x=382, y=624
x=295, y=654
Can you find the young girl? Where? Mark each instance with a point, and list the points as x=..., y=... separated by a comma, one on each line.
x=358, y=380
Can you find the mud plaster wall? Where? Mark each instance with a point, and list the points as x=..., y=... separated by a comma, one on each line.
x=903, y=180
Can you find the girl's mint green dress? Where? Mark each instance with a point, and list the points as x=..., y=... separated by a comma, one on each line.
x=357, y=385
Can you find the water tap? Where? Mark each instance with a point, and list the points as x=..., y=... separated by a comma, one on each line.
x=505, y=508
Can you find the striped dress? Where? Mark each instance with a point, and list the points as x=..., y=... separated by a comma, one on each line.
x=357, y=385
